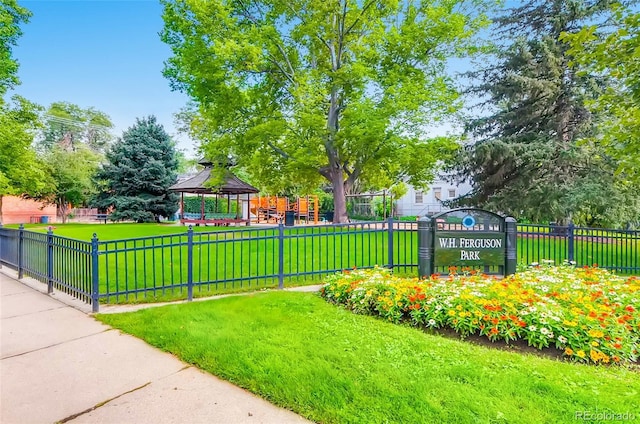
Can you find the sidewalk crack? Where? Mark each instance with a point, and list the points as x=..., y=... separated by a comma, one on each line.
x=36, y=312
x=55, y=344
x=98, y=405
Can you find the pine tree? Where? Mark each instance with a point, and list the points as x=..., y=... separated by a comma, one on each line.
x=525, y=159
x=141, y=167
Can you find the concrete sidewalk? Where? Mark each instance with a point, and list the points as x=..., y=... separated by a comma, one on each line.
x=58, y=364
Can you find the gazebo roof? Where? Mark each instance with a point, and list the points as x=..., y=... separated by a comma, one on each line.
x=197, y=184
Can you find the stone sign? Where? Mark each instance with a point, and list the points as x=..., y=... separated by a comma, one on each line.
x=470, y=238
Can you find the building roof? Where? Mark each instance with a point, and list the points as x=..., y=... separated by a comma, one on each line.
x=197, y=184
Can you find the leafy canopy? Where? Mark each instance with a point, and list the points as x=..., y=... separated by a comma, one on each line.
x=301, y=90
x=612, y=52
x=69, y=124
x=72, y=172
x=11, y=16
x=20, y=171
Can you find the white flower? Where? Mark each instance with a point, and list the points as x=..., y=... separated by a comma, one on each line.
x=532, y=328
x=562, y=339
x=432, y=322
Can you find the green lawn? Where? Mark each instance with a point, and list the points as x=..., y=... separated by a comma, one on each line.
x=333, y=366
x=114, y=231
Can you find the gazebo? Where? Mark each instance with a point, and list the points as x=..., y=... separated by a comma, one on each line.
x=232, y=186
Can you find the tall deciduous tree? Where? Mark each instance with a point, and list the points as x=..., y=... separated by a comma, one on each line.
x=612, y=51
x=12, y=16
x=72, y=172
x=526, y=159
x=70, y=125
x=140, y=168
x=344, y=90
x=20, y=171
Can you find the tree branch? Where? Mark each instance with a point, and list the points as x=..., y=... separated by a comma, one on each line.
x=278, y=150
x=364, y=9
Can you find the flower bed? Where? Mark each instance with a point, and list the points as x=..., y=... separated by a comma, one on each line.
x=589, y=314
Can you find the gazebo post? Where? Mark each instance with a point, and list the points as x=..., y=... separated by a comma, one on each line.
x=182, y=207
x=202, y=206
x=238, y=205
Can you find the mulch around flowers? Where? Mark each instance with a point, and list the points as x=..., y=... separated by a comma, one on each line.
x=518, y=346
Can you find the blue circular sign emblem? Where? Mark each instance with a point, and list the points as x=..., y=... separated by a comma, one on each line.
x=468, y=221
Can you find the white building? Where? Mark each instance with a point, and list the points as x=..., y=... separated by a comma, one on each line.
x=418, y=202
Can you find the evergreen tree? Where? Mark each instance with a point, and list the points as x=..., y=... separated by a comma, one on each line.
x=140, y=168
x=525, y=158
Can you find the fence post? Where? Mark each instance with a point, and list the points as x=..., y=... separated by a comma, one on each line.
x=281, y=255
x=95, y=285
x=50, y=261
x=190, y=263
x=511, y=253
x=425, y=247
x=390, y=241
x=20, y=252
x=570, y=242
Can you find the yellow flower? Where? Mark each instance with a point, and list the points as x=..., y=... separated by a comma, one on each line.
x=462, y=314
x=595, y=343
x=596, y=333
x=459, y=307
x=452, y=312
x=581, y=353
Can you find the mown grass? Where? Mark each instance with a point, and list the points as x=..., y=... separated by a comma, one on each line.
x=332, y=366
x=114, y=231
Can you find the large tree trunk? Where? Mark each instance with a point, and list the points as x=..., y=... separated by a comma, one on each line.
x=339, y=198
x=64, y=211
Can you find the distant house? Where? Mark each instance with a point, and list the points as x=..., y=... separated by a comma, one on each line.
x=16, y=210
x=417, y=202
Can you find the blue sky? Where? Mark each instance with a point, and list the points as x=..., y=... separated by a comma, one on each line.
x=106, y=54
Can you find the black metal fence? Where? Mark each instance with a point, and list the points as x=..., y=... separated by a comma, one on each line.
x=170, y=267
x=616, y=250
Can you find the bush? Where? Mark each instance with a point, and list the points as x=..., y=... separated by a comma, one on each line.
x=193, y=204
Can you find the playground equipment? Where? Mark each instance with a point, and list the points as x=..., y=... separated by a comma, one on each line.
x=272, y=209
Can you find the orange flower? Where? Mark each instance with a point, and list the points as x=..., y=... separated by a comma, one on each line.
x=568, y=351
